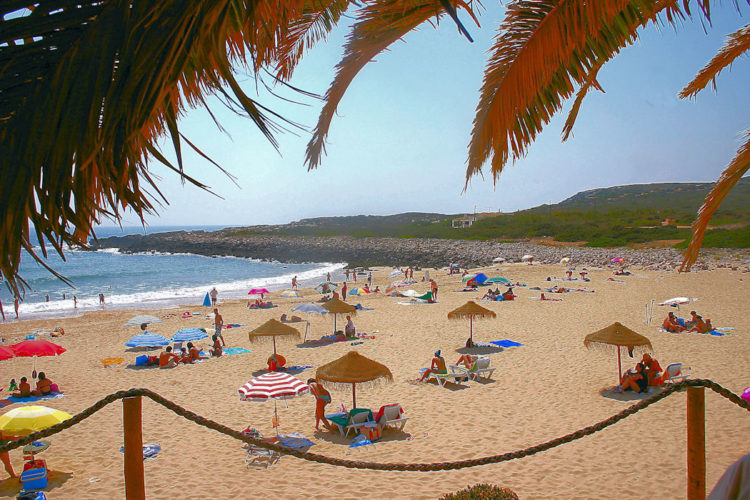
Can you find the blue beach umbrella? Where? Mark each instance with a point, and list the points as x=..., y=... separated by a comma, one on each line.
x=207, y=300
x=189, y=334
x=147, y=340
x=480, y=278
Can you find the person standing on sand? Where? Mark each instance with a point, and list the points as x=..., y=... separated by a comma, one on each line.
x=369, y=278
x=343, y=292
x=354, y=275
x=433, y=289
x=214, y=293
x=218, y=323
x=322, y=398
x=294, y=282
x=5, y=458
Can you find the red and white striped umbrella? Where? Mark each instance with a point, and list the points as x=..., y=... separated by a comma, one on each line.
x=273, y=385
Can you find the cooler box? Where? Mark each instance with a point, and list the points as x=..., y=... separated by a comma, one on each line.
x=34, y=479
x=371, y=431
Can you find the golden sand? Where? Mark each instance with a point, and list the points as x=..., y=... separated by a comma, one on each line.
x=547, y=388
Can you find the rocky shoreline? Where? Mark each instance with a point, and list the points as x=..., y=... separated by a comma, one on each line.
x=433, y=253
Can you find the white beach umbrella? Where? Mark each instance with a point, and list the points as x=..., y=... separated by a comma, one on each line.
x=498, y=259
x=527, y=257
x=309, y=308
x=411, y=293
x=395, y=272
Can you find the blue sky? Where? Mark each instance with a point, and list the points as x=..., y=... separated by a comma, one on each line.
x=399, y=141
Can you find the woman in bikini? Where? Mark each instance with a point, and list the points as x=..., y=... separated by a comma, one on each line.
x=322, y=398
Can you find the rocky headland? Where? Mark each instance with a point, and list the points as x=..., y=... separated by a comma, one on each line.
x=400, y=251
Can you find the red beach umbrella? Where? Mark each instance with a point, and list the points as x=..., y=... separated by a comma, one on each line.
x=36, y=347
x=6, y=353
x=273, y=385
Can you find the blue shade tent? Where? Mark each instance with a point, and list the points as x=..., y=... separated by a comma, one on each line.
x=188, y=335
x=147, y=340
x=207, y=300
x=480, y=278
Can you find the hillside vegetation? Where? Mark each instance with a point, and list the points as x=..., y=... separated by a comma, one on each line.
x=616, y=216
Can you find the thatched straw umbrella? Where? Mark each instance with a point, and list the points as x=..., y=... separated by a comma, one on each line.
x=618, y=336
x=338, y=306
x=273, y=328
x=353, y=368
x=471, y=310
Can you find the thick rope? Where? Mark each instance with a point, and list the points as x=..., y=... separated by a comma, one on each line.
x=424, y=467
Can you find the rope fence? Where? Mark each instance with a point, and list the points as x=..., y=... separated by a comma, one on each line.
x=340, y=462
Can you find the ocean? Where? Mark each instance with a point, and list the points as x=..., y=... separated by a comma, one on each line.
x=148, y=280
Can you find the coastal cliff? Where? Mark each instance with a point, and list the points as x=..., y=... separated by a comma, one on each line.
x=398, y=251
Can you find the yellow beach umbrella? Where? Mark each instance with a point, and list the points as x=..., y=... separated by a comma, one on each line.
x=20, y=422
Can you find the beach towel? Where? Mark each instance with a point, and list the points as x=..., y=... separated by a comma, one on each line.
x=5, y=402
x=359, y=307
x=228, y=351
x=233, y=325
x=31, y=399
x=149, y=450
x=505, y=343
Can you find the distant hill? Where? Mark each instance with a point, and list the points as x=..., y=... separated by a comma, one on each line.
x=614, y=216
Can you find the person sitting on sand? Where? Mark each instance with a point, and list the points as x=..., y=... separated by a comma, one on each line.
x=709, y=326
x=377, y=289
x=349, y=329
x=692, y=321
x=437, y=366
x=216, y=349
x=322, y=398
x=651, y=368
x=490, y=295
x=671, y=324
x=24, y=389
x=43, y=386
x=636, y=382
x=508, y=294
x=194, y=352
x=168, y=359
x=699, y=325
x=276, y=363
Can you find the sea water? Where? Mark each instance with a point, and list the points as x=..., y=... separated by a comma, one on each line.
x=147, y=280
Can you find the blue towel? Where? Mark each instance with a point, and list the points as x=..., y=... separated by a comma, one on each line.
x=149, y=450
x=228, y=351
x=505, y=343
x=30, y=399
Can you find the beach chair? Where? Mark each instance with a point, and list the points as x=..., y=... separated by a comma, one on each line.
x=391, y=415
x=442, y=378
x=480, y=369
x=676, y=372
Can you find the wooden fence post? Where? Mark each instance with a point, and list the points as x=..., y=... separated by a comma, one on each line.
x=696, y=443
x=135, y=486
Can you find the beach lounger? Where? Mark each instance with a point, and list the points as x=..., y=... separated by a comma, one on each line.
x=391, y=415
x=480, y=369
x=261, y=458
x=676, y=372
x=352, y=421
x=442, y=378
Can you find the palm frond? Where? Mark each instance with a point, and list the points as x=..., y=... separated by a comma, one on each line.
x=317, y=20
x=379, y=24
x=731, y=175
x=544, y=48
x=86, y=90
x=580, y=95
x=737, y=44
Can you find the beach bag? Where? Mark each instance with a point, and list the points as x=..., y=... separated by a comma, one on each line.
x=141, y=360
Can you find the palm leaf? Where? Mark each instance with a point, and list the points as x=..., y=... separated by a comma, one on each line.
x=379, y=25
x=86, y=96
x=580, y=95
x=545, y=48
x=731, y=175
x=737, y=44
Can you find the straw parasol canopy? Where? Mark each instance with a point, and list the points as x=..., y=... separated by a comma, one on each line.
x=471, y=310
x=353, y=368
x=338, y=306
x=617, y=335
x=273, y=328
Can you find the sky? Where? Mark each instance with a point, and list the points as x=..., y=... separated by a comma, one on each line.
x=399, y=141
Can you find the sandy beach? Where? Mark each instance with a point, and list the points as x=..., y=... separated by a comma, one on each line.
x=546, y=388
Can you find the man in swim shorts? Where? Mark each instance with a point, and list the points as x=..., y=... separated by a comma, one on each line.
x=218, y=323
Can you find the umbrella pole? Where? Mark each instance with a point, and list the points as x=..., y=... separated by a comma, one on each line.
x=619, y=366
x=354, y=396
x=274, y=344
x=471, y=329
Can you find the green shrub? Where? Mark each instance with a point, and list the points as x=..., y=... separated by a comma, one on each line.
x=606, y=241
x=482, y=492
